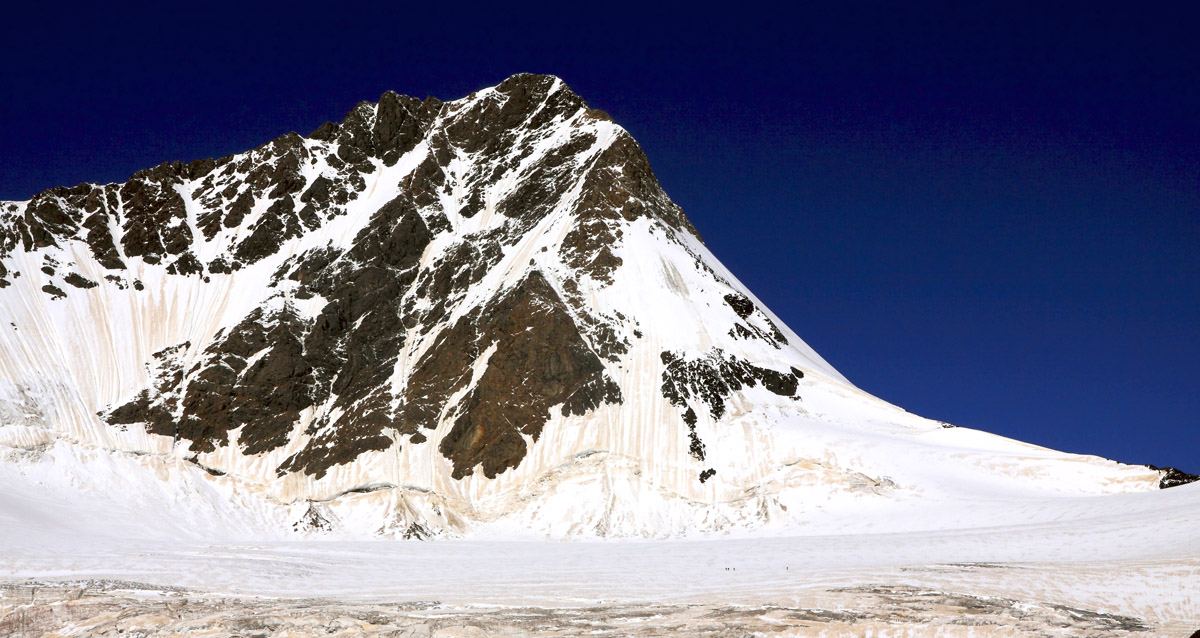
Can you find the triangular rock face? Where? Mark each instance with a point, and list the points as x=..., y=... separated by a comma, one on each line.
x=446, y=314
x=534, y=359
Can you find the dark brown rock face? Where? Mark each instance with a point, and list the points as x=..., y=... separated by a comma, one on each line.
x=152, y=204
x=536, y=360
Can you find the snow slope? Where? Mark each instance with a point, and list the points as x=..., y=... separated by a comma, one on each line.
x=1135, y=556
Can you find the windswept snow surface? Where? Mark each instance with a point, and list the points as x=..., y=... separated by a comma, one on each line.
x=1135, y=555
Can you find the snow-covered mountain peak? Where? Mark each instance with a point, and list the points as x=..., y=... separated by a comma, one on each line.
x=439, y=317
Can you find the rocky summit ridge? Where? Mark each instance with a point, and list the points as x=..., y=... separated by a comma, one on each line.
x=434, y=316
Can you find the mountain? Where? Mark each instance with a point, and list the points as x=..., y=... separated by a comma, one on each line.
x=481, y=316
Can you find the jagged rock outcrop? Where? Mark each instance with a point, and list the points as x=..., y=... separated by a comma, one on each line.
x=1171, y=477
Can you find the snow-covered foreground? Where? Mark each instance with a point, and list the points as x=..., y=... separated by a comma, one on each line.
x=110, y=608
x=950, y=553
x=1131, y=555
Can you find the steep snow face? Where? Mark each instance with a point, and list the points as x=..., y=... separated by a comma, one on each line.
x=447, y=317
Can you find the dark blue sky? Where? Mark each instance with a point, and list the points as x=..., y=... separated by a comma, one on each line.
x=986, y=214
